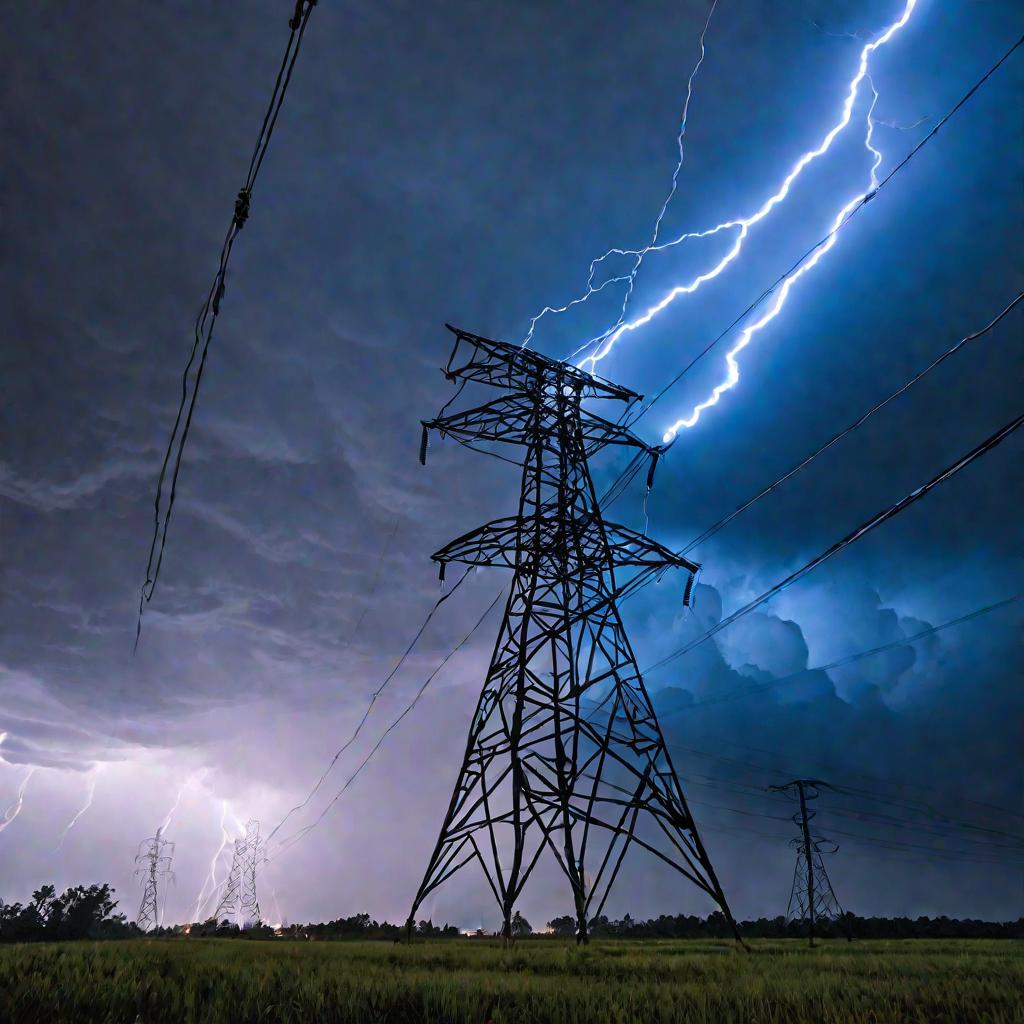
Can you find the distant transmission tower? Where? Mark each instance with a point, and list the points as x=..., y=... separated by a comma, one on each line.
x=564, y=751
x=255, y=852
x=812, y=898
x=154, y=857
x=239, y=898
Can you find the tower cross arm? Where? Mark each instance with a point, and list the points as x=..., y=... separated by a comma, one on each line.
x=598, y=432
x=494, y=543
x=486, y=361
x=506, y=419
x=512, y=419
x=630, y=548
x=501, y=543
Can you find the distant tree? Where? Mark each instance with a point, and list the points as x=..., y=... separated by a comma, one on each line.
x=79, y=912
x=563, y=927
x=520, y=926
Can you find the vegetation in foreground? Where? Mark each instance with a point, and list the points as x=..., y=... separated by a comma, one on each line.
x=471, y=981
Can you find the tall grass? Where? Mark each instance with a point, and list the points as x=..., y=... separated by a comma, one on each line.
x=473, y=981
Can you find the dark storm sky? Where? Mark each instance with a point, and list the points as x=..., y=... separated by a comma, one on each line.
x=464, y=162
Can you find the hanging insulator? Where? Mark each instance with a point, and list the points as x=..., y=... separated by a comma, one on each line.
x=424, y=444
x=655, y=455
x=688, y=590
x=440, y=574
x=242, y=208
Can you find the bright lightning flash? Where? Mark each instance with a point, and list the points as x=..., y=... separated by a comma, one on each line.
x=748, y=332
x=603, y=344
x=174, y=807
x=210, y=884
x=637, y=255
x=187, y=784
x=89, y=794
x=744, y=224
x=15, y=809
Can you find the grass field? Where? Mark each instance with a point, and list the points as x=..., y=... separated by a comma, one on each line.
x=472, y=981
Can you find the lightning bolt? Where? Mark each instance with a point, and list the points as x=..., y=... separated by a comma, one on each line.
x=743, y=225
x=195, y=777
x=210, y=883
x=15, y=809
x=174, y=807
x=90, y=793
x=636, y=254
x=775, y=307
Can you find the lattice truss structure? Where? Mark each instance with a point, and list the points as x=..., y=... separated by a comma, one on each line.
x=154, y=860
x=812, y=898
x=564, y=752
x=239, y=898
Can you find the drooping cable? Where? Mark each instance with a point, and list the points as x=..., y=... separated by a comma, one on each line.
x=849, y=659
x=640, y=581
x=295, y=837
x=207, y=318
x=859, y=422
x=857, y=534
x=373, y=700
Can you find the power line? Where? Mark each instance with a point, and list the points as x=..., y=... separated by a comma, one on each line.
x=374, y=583
x=823, y=241
x=860, y=421
x=977, y=856
x=846, y=660
x=986, y=847
x=943, y=818
x=626, y=477
x=295, y=837
x=908, y=856
x=941, y=825
x=869, y=794
x=861, y=531
x=210, y=310
x=629, y=473
x=373, y=700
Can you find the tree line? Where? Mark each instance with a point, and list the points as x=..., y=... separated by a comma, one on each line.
x=80, y=912
x=89, y=912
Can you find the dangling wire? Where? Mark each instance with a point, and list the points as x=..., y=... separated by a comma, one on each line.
x=207, y=318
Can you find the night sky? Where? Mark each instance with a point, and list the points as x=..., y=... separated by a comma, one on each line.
x=464, y=162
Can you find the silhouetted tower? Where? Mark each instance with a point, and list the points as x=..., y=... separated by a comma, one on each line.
x=564, y=751
x=239, y=898
x=154, y=857
x=255, y=854
x=228, y=904
x=812, y=897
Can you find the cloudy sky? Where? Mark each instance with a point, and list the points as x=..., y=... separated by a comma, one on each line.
x=465, y=162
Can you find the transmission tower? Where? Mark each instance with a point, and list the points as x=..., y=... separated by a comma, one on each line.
x=564, y=750
x=812, y=898
x=255, y=854
x=239, y=898
x=154, y=860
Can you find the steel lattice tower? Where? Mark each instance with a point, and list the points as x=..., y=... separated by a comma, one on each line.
x=239, y=897
x=812, y=898
x=255, y=850
x=155, y=854
x=564, y=750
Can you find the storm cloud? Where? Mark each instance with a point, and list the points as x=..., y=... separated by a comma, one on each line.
x=464, y=164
